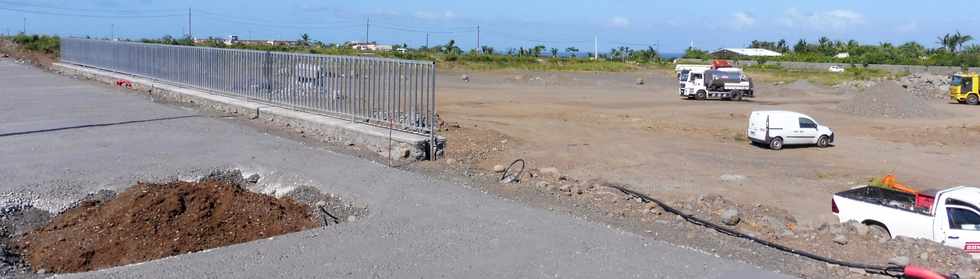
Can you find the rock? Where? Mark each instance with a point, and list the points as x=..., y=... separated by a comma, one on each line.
x=253, y=178
x=840, y=239
x=551, y=171
x=899, y=261
x=465, y=78
x=862, y=229
x=542, y=184
x=404, y=150
x=351, y=218
x=924, y=256
x=42, y=271
x=499, y=168
x=565, y=188
x=450, y=161
x=640, y=81
x=732, y=178
x=730, y=217
x=349, y=143
x=321, y=204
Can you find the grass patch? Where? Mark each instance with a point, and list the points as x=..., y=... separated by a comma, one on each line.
x=774, y=73
x=39, y=43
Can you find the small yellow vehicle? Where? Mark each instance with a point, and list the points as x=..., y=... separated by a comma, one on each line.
x=963, y=88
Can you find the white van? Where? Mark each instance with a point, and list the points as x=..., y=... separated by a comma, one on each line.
x=778, y=128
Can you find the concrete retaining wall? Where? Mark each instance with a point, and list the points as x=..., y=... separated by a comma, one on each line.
x=405, y=146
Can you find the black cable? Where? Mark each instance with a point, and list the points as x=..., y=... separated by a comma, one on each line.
x=506, y=178
x=893, y=271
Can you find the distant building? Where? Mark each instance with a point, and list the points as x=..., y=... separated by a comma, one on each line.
x=745, y=52
x=842, y=55
x=371, y=46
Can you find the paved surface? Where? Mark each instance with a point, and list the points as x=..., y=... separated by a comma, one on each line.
x=418, y=227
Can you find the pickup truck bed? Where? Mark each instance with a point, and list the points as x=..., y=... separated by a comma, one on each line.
x=884, y=197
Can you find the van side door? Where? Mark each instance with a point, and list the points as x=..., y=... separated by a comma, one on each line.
x=804, y=131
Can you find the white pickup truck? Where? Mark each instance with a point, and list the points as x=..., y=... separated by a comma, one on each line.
x=950, y=217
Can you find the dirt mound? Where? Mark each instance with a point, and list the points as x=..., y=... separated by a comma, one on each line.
x=151, y=221
x=889, y=100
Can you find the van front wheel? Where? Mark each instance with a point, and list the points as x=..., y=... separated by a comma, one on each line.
x=823, y=142
x=776, y=144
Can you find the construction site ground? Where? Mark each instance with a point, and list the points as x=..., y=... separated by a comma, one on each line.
x=611, y=127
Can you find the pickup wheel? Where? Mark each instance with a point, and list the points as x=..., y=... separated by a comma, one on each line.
x=823, y=142
x=973, y=99
x=701, y=95
x=776, y=143
x=879, y=231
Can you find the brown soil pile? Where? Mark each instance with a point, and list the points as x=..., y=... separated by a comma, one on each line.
x=151, y=221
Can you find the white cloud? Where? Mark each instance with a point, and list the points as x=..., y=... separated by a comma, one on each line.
x=435, y=15
x=743, y=20
x=829, y=20
x=619, y=22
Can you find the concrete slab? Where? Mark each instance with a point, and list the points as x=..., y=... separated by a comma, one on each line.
x=418, y=227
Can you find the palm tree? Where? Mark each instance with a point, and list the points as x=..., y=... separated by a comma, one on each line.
x=948, y=42
x=572, y=51
x=304, y=39
x=554, y=52
x=962, y=39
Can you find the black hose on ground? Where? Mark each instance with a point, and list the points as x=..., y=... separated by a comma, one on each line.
x=508, y=178
x=893, y=271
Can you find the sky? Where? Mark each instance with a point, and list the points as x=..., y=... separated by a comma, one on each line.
x=669, y=26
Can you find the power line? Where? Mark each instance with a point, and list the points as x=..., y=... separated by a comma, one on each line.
x=260, y=22
x=88, y=15
x=63, y=8
x=505, y=35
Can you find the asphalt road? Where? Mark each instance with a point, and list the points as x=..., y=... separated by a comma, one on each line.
x=62, y=138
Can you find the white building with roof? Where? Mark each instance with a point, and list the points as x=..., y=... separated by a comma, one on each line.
x=752, y=52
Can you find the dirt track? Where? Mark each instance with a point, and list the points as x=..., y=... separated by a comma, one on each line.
x=606, y=126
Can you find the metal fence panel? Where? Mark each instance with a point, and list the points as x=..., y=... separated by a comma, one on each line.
x=385, y=92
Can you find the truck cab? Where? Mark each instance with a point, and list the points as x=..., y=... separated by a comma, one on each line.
x=963, y=88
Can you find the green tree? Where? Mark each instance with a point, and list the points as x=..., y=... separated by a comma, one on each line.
x=554, y=52
x=572, y=51
x=304, y=40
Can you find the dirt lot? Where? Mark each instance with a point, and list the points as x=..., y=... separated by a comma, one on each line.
x=608, y=126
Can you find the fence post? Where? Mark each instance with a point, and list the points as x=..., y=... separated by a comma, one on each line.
x=268, y=76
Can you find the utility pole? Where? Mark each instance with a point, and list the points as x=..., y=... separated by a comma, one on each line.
x=595, y=49
x=427, y=40
x=190, y=25
x=478, y=47
x=112, y=31
x=367, y=32
x=25, y=26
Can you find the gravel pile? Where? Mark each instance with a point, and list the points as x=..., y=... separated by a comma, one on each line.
x=888, y=99
x=926, y=85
